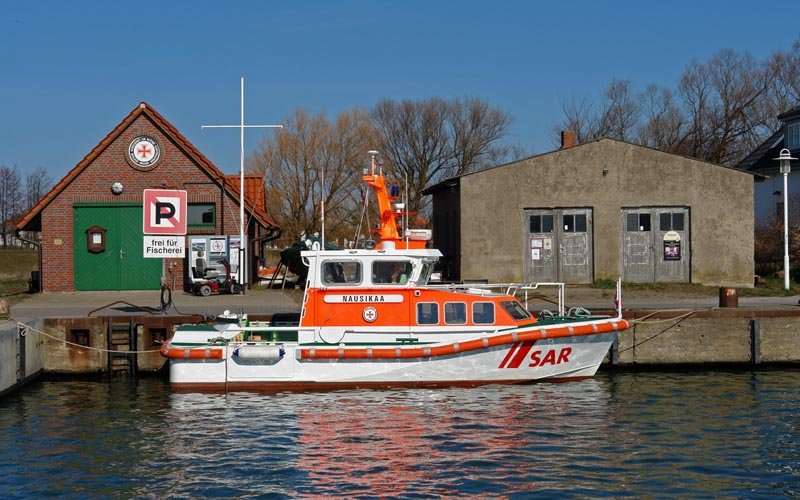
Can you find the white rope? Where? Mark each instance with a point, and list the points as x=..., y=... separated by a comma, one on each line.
x=30, y=328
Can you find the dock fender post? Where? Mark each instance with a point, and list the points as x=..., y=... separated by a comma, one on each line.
x=755, y=341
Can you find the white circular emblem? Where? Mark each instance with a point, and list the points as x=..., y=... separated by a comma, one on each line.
x=370, y=314
x=144, y=152
x=117, y=188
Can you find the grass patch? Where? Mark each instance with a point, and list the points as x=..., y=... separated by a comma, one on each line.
x=15, y=271
x=772, y=288
x=686, y=288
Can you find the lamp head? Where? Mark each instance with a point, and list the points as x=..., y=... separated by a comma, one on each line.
x=785, y=158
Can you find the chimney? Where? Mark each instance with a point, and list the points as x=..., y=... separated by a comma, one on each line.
x=568, y=139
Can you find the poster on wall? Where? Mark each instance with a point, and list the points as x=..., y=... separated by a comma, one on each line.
x=234, y=254
x=197, y=251
x=672, y=246
x=217, y=247
x=536, y=254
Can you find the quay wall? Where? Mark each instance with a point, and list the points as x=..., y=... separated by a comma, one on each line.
x=21, y=357
x=709, y=337
x=669, y=338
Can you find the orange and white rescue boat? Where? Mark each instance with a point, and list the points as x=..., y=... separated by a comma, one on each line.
x=370, y=318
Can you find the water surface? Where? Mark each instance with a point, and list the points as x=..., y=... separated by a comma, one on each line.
x=731, y=434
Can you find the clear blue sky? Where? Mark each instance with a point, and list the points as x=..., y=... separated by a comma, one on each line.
x=73, y=70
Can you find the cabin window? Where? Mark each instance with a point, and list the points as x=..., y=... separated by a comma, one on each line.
x=515, y=309
x=455, y=313
x=394, y=272
x=483, y=313
x=341, y=273
x=427, y=313
x=425, y=274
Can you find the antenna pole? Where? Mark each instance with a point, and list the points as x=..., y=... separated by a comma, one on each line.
x=241, y=127
x=322, y=206
x=242, y=253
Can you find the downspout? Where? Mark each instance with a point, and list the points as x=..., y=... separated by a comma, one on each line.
x=38, y=246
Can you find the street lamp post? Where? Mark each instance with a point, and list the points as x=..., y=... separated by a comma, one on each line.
x=785, y=160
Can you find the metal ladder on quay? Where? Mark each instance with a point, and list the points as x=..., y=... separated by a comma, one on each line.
x=122, y=341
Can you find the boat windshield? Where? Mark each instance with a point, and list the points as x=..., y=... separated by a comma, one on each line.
x=425, y=274
x=515, y=310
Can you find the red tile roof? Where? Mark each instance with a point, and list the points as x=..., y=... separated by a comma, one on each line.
x=252, y=204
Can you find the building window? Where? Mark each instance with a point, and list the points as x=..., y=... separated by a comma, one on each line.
x=671, y=221
x=638, y=222
x=793, y=136
x=455, y=313
x=575, y=223
x=202, y=215
x=427, y=313
x=541, y=223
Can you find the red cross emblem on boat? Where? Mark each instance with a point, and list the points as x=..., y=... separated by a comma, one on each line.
x=370, y=314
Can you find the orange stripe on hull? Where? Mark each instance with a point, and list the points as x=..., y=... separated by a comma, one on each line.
x=190, y=353
x=458, y=347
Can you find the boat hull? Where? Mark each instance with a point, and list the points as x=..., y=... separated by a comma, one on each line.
x=564, y=358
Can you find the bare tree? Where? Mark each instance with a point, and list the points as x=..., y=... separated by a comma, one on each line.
x=664, y=122
x=783, y=90
x=37, y=184
x=722, y=109
x=475, y=129
x=294, y=160
x=579, y=117
x=620, y=114
x=426, y=141
x=10, y=200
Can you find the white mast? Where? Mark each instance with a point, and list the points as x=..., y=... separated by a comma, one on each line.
x=241, y=127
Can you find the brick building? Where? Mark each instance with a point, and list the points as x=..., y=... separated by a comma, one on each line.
x=101, y=197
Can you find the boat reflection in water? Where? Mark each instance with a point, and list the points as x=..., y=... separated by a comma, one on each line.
x=388, y=443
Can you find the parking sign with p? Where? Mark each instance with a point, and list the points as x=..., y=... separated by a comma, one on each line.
x=165, y=211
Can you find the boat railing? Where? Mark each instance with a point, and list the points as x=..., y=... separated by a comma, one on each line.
x=512, y=289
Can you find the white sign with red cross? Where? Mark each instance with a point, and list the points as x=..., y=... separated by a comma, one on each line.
x=165, y=211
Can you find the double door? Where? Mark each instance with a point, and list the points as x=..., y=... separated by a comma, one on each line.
x=655, y=244
x=109, y=249
x=559, y=245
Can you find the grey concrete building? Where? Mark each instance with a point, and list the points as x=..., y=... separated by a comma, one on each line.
x=599, y=210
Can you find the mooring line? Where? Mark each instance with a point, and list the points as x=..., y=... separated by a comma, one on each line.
x=644, y=319
x=675, y=319
x=89, y=348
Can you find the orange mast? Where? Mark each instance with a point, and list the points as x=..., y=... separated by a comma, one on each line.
x=389, y=235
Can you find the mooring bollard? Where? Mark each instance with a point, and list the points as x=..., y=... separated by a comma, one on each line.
x=728, y=297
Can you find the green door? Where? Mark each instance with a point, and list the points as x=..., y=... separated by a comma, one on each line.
x=120, y=265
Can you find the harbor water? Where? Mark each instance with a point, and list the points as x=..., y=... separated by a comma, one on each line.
x=688, y=434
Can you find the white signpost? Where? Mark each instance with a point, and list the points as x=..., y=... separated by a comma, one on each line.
x=164, y=223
